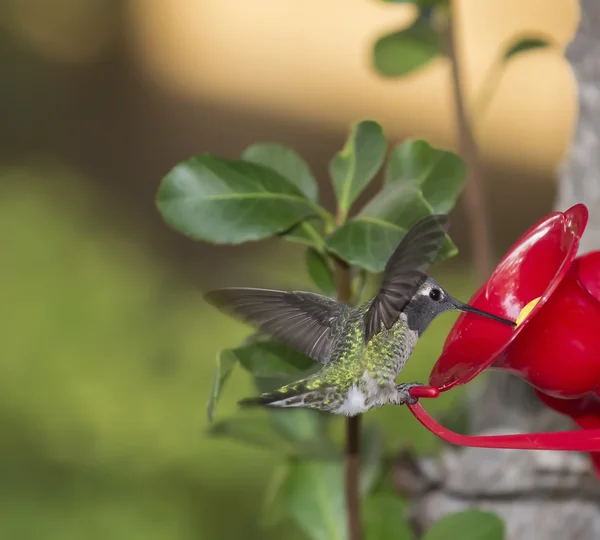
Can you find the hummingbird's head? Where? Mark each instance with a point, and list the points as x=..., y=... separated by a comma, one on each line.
x=431, y=299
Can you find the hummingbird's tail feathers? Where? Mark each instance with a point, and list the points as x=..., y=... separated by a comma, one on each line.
x=296, y=395
x=305, y=321
x=273, y=399
x=259, y=401
x=405, y=272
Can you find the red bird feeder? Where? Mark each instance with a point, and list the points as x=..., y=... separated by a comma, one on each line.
x=555, y=299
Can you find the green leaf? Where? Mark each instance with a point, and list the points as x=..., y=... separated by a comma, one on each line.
x=273, y=364
x=372, y=454
x=366, y=243
x=357, y=163
x=369, y=239
x=307, y=233
x=419, y=180
x=320, y=271
x=297, y=433
x=230, y=201
x=314, y=492
x=274, y=508
x=225, y=364
x=399, y=203
x=385, y=519
x=524, y=44
x=440, y=174
x=467, y=525
x=306, y=431
x=272, y=359
x=287, y=163
x=299, y=424
x=408, y=50
x=254, y=431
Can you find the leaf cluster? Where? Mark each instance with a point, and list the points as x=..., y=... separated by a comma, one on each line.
x=270, y=191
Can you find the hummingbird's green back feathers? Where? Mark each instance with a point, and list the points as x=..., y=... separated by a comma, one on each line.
x=307, y=322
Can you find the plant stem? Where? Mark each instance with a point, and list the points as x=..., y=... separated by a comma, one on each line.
x=486, y=92
x=352, y=444
x=467, y=147
x=352, y=454
x=343, y=282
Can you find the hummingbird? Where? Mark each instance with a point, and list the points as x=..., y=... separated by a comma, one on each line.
x=362, y=349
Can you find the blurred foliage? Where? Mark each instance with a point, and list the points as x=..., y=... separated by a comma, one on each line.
x=410, y=49
x=384, y=515
x=105, y=356
x=467, y=525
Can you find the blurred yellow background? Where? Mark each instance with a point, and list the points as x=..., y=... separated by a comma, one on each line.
x=108, y=350
x=277, y=57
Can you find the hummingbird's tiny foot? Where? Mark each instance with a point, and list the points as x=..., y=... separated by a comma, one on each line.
x=404, y=393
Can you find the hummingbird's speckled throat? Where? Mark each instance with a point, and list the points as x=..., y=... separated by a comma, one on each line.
x=362, y=349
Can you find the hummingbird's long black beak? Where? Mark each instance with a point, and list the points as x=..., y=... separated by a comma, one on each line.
x=470, y=309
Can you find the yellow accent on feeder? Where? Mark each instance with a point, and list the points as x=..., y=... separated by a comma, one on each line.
x=527, y=310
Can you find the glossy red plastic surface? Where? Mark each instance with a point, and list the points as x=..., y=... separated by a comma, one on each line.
x=586, y=440
x=585, y=411
x=424, y=392
x=559, y=350
x=534, y=267
x=556, y=349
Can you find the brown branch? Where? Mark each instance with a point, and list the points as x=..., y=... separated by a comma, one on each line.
x=467, y=146
x=343, y=282
x=352, y=468
x=352, y=445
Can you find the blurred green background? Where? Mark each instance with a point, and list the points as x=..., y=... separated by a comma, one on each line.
x=108, y=349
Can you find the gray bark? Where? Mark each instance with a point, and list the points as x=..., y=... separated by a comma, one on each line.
x=540, y=495
x=579, y=179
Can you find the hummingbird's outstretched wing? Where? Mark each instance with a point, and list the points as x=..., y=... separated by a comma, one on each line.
x=405, y=272
x=303, y=320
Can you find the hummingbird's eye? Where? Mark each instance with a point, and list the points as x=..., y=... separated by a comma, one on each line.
x=435, y=294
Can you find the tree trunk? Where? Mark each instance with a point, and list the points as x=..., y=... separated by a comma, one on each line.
x=540, y=495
